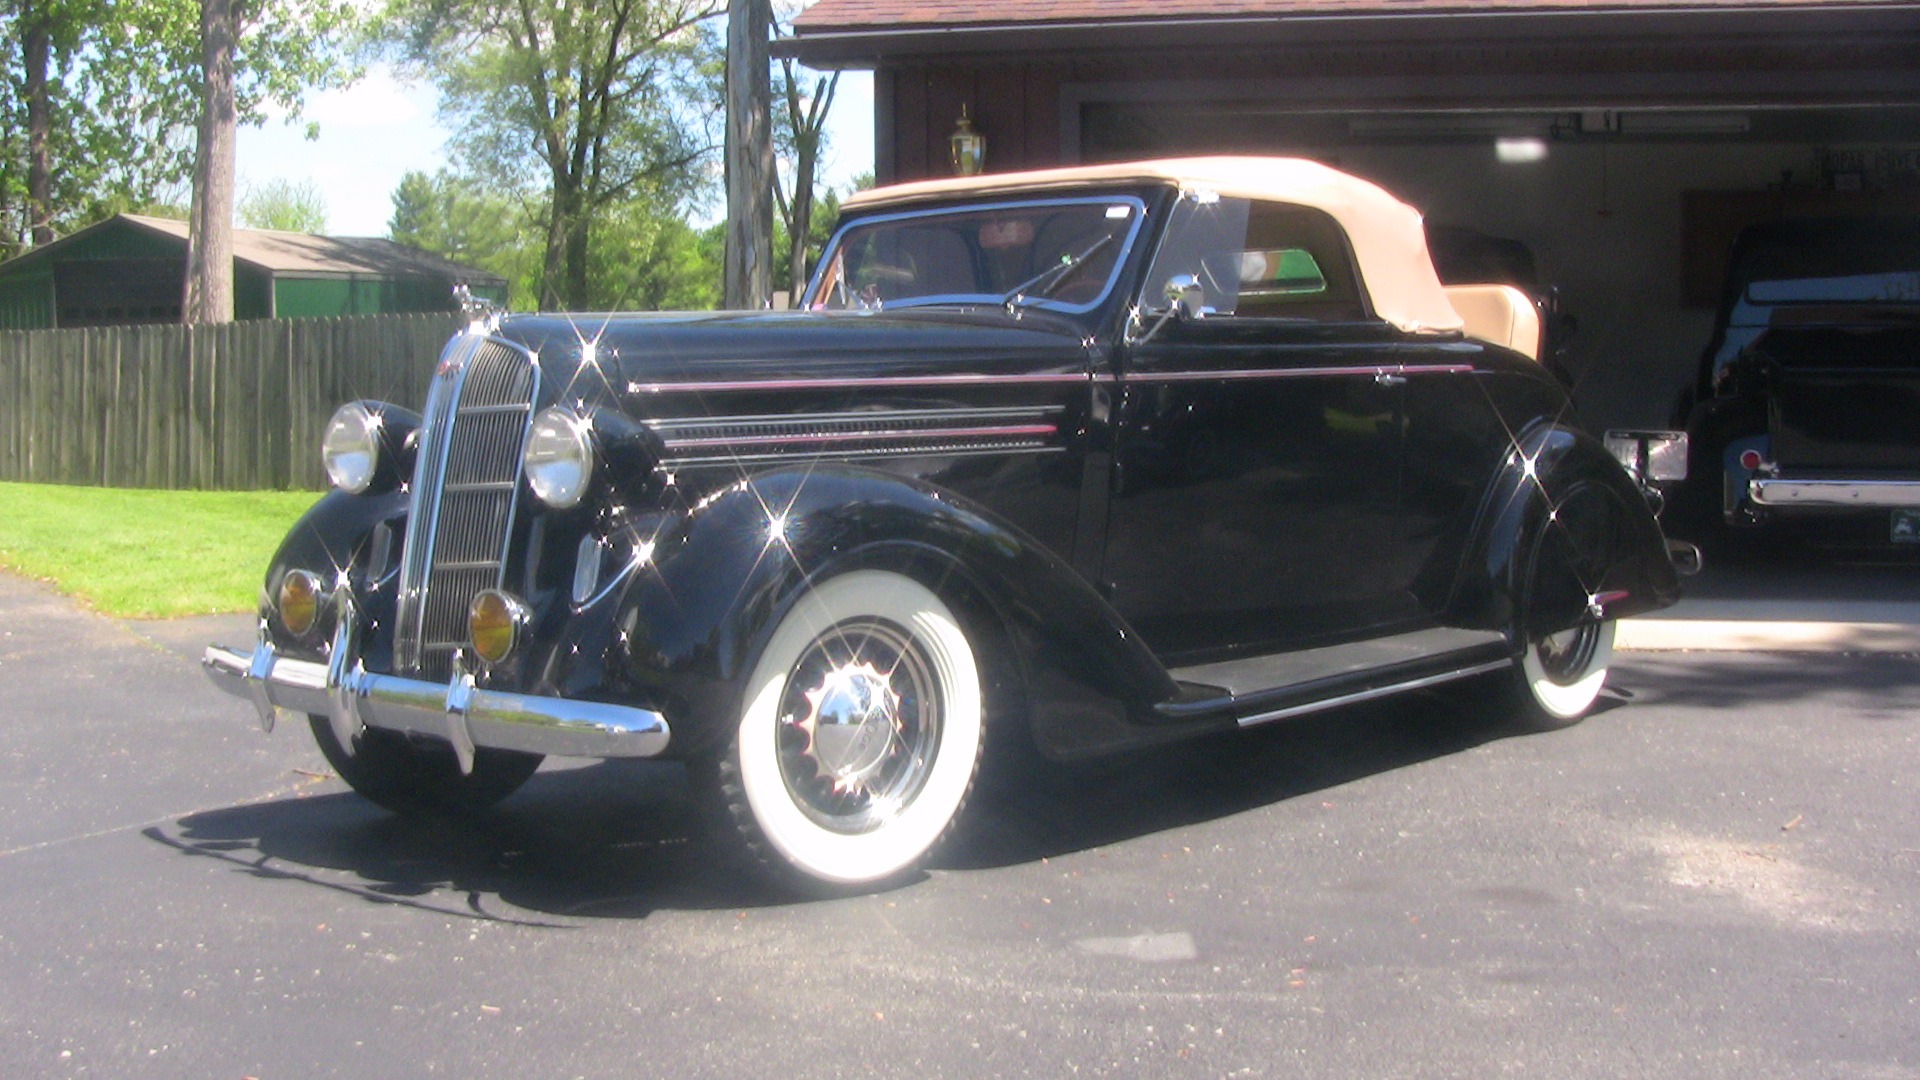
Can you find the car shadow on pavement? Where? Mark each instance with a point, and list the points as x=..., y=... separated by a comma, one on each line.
x=608, y=839
x=622, y=839
x=1058, y=809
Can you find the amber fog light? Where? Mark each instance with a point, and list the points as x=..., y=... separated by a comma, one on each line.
x=299, y=604
x=495, y=623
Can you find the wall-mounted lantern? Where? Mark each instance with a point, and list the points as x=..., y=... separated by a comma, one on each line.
x=969, y=147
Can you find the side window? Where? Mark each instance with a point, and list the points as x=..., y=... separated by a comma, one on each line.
x=1295, y=266
x=1262, y=260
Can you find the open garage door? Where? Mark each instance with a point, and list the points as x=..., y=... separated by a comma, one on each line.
x=1628, y=212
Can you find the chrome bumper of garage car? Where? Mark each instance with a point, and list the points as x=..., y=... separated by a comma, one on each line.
x=465, y=715
x=1865, y=494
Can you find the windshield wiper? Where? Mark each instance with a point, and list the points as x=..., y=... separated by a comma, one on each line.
x=1038, y=286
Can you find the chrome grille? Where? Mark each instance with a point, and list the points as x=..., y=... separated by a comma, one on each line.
x=466, y=481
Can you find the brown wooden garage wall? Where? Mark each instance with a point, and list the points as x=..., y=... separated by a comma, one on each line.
x=1015, y=105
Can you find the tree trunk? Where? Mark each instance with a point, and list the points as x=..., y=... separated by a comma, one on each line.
x=563, y=277
x=749, y=256
x=209, y=293
x=579, y=297
x=802, y=223
x=553, y=264
x=36, y=47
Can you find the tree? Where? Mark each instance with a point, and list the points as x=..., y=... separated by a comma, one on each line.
x=595, y=103
x=285, y=206
x=97, y=112
x=750, y=174
x=653, y=261
x=801, y=136
x=252, y=52
x=646, y=257
x=473, y=225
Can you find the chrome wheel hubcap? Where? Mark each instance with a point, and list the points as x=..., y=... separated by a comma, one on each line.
x=859, y=722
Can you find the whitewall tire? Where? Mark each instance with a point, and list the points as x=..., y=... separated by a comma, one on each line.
x=860, y=732
x=1560, y=675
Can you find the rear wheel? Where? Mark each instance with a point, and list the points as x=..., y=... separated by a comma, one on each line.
x=860, y=733
x=1560, y=675
x=1566, y=639
x=412, y=778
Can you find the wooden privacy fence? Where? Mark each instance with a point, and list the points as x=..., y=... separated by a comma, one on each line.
x=240, y=406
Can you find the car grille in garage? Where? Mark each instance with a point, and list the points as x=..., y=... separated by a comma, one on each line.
x=466, y=482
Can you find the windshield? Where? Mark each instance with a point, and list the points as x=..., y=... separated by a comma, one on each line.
x=1057, y=253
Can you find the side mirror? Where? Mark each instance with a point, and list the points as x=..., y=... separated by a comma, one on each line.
x=1185, y=296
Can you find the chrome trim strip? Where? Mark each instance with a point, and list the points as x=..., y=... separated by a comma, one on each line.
x=1370, y=371
x=1377, y=692
x=853, y=455
x=505, y=721
x=887, y=382
x=867, y=418
x=1869, y=494
x=1051, y=379
x=828, y=437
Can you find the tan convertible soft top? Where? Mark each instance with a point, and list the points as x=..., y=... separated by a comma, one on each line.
x=1388, y=240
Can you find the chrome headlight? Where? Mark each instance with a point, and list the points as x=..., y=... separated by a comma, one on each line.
x=351, y=448
x=559, y=457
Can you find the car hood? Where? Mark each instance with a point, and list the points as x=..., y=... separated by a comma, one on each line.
x=628, y=354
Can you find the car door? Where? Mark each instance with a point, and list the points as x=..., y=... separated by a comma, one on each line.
x=1255, y=500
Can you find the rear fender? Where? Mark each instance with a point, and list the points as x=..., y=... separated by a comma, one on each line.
x=1563, y=529
x=724, y=574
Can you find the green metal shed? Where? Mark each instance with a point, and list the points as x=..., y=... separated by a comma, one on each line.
x=132, y=269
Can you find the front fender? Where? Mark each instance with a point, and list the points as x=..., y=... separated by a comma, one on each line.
x=722, y=576
x=1562, y=527
x=332, y=540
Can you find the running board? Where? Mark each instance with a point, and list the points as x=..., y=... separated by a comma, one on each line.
x=1255, y=690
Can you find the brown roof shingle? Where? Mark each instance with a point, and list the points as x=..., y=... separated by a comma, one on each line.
x=307, y=254
x=828, y=16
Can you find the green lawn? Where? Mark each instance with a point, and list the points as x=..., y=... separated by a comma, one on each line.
x=147, y=554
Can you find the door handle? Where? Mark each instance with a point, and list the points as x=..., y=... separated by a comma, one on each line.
x=1388, y=378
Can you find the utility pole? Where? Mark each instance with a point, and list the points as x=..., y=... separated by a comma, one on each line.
x=749, y=256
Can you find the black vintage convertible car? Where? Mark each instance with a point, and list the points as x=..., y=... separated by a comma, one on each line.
x=1082, y=459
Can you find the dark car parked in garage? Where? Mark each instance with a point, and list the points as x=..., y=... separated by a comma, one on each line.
x=1095, y=457
x=1805, y=418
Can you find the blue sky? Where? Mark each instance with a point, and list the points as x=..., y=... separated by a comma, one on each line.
x=376, y=131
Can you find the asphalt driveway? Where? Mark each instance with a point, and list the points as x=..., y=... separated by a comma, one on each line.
x=1716, y=876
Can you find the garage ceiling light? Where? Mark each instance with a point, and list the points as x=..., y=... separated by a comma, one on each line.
x=1520, y=151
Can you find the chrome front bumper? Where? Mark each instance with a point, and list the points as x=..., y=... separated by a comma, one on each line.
x=1859, y=494
x=465, y=715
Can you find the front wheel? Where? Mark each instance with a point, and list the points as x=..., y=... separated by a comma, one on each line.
x=1560, y=675
x=412, y=778
x=860, y=732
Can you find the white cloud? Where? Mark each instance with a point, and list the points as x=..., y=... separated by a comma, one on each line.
x=379, y=100
x=371, y=135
